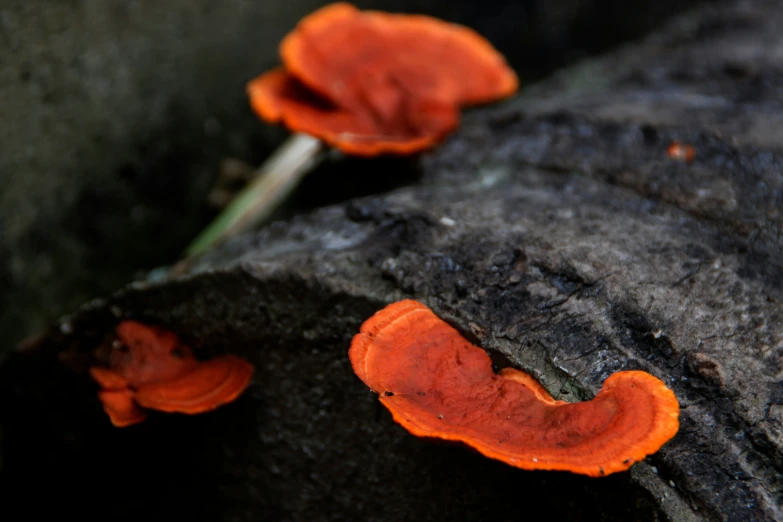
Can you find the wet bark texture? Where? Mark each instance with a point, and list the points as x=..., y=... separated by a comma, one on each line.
x=555, y=232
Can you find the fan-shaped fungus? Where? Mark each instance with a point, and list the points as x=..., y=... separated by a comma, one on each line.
x=149, y=367
x=369, y=82
x=394, y=125
x=366, y=83
x=209, y=385
x=437, y=384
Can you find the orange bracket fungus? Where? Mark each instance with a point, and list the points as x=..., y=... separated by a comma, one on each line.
x=366, y=83
x=437, y=384
x=150, y=368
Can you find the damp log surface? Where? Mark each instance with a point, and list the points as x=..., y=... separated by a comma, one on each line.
x=556, y=233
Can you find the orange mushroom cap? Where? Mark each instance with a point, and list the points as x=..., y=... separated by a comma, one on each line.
x=121, y=408
x=681, y=151
x=108, y=379
x=412, y=124
x=210, y=385
x=344, y=53
x=369, y=82
x=151, y=368
x=437, y=384
x=147, y=354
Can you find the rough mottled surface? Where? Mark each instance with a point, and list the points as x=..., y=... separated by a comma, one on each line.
x=556, y=233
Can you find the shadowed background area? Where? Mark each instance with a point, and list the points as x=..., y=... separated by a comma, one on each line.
x=116, y=114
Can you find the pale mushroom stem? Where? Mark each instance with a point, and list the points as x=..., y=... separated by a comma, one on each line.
x=273, y=181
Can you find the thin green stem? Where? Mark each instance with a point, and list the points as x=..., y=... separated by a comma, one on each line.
x=275, y=179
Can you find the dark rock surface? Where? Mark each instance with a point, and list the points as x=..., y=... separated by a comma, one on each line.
x=555, y=232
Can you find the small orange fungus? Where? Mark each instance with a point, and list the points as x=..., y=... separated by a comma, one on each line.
x=681, y=152
x=366, y=83
x=437, y=384
x=369, y=82
x=150, y=368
